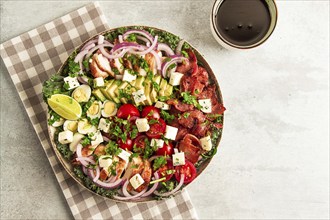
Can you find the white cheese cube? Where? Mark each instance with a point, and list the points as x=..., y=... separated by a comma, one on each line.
x=98, y=82
x=139, y=96
x=170, y=132
x=142, y=124
x=157, y=142
x=128, y=77
x=105, y=161
x=97, y=138
x=136, y=181
x=65, y=137
x=72, y=82
x=206, y=105
x=206, y=143
x=124, y=155
x=142, y=72
x=175, y=78
x=104, y=125
x=178, y=159
x=162, y=105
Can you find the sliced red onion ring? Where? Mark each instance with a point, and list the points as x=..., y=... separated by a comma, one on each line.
x=85, y=161
x=114, y=56
x=84, y=169
x=179, y=47
x=166, y=49
x=80, y=56
x=169, y=63
x=97, y=175
x=90, y=46
x=154, y=187
x=82, y=80
x=136, y=196
x=151, y=48
x=124, y=188
x=120, y=38
x=174, y=190
x=124, y=45
x=140, y=32
x=108, y=185
x=89, y=43
x=100, y=39
x=78, y=150
x=144, y=39
x=92, y=50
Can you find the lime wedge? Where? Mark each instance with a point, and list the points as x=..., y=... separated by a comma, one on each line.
x=65, y=106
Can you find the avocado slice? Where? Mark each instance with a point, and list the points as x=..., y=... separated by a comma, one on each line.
x=147, y=90
x=169, y=90
x=99, y=95
x=163, y=85
x=139, y=82
x=106, y=87
x=153, y=94
x=123, y=85
x=112, y=89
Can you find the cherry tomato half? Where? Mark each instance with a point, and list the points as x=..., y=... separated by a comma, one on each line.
x=157, y=129
x=150, y=112
x=139, y=141
x=128, y=145
x=167, y=149
x=127, y=109
x=189, y=171
x=166, y=171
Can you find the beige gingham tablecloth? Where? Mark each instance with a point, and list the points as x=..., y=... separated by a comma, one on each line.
x=30, y=59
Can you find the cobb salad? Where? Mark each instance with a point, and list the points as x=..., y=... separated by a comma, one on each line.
x=135, y=113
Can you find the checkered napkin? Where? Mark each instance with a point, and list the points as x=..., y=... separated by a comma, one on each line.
x=30, y=59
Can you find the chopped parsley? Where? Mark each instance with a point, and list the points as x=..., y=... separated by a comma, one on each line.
x=167, y=116
x=159, y=162
x=190, y=99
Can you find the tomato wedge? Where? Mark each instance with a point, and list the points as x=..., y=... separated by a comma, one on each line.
x=128, y=145
x=150, y=112
x=127, y=110
x=189, y=171
x=167, y=149
x=157, y=129
x=166, y=171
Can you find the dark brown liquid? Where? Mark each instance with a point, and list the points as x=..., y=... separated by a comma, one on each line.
x=243, y=22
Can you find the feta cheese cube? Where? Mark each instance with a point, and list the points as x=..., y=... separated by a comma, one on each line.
x=136, y=181
x=178, y=159
x=139, y=96
x=170, y=132
x=206, y=143
x=124, y=155
x=206, y=105
x=175, y=78
x=157, y=142
x=162, y=105
x=142, y=124
x=72, y=82
x=96, y=138
x=104, y=125
x=65, y=137
x=98, y=82
x=105, y=161
x=128, y=77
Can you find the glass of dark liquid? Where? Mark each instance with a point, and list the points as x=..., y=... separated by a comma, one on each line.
x=243, y=24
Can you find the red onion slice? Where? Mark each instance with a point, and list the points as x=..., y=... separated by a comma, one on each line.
x=124, y=188
x=174, y=190
x=158, y=60
x=109, y=185
x=97, y=175
x=89, y=43
x=82, y=80
x=106, y=139
x=85, y=161
x=78, y=150
x=151, y=48
x=179, y=47
x=136, y=196
x=92, y=50
x=80, y=56
x=140, y=32
x=153, y=188
x=169, y=63
x=125, y=45
x=166, y=49
x=144, y=39
x=114, y=56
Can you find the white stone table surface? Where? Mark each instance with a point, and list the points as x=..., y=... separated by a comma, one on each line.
x=273, y=161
